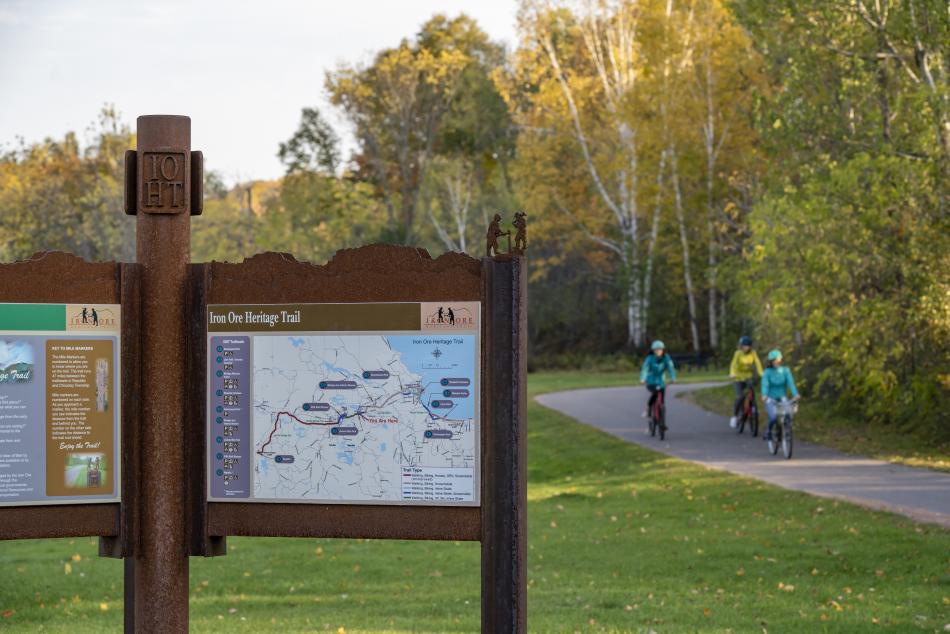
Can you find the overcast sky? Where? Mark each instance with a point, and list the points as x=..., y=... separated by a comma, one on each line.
x=241, y=70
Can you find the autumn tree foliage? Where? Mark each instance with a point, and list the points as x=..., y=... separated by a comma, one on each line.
x=635, y=116
x=692, y=170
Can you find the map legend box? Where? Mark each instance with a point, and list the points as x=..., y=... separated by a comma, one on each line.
x=229, y=400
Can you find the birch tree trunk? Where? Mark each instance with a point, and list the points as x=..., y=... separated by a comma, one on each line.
x=610, y=41
x=684, y=242
x=651, y=245
x=712, y=149
x=454, y=193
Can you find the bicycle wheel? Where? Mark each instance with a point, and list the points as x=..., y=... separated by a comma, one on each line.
x=652, y=425
x=787, y=438
x=754, y=421
x=741, y=426
x=776, y=439
x=662, y=422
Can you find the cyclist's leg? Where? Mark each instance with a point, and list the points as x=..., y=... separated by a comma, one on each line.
x=772, y=412
x=662, y=391
x=654, y=392
x=740, y=396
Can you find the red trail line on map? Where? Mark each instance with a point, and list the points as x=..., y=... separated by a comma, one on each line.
x=302, y=422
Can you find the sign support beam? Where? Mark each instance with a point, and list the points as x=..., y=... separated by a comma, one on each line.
x=157, y=596
x=504, y=496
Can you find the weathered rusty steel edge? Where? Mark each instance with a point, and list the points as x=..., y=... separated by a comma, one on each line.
x=504, y=519
x=61, y=278
x=130, y=295
x=364, y=274
x=344, y=521
x=159, y=587
x=200, y=543
x=39, y=522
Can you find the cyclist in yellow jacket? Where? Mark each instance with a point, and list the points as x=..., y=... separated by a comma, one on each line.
x=744, y=370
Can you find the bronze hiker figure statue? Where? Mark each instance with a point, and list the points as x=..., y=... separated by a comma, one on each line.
x=494, y=232
x=521, y=237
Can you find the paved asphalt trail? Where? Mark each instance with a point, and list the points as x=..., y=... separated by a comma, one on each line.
x=700, y=436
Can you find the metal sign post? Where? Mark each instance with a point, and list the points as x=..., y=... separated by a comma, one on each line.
x=505, y=498
x=162, y=176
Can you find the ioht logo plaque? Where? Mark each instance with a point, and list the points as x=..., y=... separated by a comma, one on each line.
x=163, y=177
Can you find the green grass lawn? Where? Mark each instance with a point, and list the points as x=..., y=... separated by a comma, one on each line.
x=817, y=424
x=621, y=539
x=555, y=381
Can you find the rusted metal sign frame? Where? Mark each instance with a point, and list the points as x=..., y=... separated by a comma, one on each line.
x=62, y=278
x=355, y=275
x=369, y=274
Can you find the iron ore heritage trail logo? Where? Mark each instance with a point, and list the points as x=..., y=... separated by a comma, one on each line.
x=92, y=318
x=450, y=318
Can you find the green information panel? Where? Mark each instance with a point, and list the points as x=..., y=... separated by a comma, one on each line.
x=59, y=403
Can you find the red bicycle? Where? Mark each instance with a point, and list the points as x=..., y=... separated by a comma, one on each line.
x=658, y=416
x=749, y=412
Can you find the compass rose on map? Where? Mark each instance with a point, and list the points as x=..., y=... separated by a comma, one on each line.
x=436, y=353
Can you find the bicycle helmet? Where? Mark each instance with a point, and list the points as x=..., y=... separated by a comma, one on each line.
x=657, y=345
x=745, y=340
x=774, y=355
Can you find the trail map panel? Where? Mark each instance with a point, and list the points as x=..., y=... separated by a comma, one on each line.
x=59, y=404
x=344, y=403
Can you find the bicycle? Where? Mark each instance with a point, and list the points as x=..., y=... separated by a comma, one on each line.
x=658, y=416
x=782, y=430
x=749, y=411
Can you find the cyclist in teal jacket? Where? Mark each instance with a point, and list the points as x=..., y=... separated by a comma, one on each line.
x=777, y=383
x=655, y=367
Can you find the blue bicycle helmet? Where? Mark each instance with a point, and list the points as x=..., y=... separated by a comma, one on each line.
x=774, y=355
x=657, y=345
x=745, y=340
